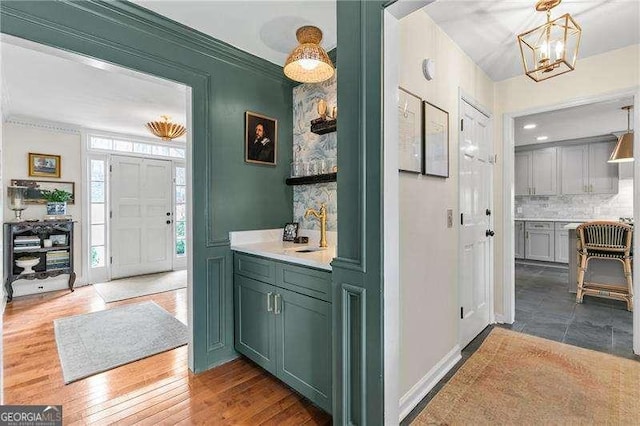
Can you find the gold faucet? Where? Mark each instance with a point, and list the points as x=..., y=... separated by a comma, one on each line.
x=322, y=216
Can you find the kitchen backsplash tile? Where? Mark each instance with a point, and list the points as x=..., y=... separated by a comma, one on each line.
x=308, y=146
x=578, y=206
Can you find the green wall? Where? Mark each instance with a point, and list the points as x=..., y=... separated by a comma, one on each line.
x=228, y=194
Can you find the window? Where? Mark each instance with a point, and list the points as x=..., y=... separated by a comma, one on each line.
x=136, y=147
x=181, y=211
x=97, y=200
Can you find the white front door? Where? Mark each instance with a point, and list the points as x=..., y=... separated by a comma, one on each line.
x=476, y=176
x=141, y=218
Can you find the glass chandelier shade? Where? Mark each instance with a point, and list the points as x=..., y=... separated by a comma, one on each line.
x=552, y=48
x=309, y=63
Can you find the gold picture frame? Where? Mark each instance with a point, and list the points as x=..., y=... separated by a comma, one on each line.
x=261, y=139
x=44, y=165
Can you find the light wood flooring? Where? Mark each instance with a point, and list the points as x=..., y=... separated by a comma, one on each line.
x=156, y=390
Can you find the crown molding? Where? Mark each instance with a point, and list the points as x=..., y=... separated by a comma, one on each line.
x=182, y=35
x=36, y=123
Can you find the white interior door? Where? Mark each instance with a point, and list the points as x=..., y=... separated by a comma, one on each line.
x=141, y=220
x=476, y=176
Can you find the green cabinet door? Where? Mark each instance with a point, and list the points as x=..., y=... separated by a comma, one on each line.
x=255, y=322
x=303, y=339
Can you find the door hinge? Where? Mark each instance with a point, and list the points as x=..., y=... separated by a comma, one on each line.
x=462, y=124
x=110, y=214
x=110, y=168
x=461, y=312
x=461, y=218
x=111, y=260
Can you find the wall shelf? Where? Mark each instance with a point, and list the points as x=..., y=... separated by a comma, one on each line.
x=310, y=180
x=324, y=126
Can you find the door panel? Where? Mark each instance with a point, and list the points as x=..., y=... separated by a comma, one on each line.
x=303, y=338
x=603, y=176
x=476, y=177
x=254, y=321
x=522, y=176
x=544, y=169
x=519, y=239
x=540, y=245
x=140, y=197
x=574, y=169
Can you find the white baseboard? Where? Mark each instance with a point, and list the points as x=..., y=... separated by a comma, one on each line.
x=417, y=393
x=501, y=319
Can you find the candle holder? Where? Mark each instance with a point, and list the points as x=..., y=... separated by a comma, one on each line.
x=16, y=195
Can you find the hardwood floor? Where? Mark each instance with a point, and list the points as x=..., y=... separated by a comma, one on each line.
x=156, y=390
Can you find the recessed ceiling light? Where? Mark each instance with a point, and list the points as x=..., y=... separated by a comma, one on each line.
x=529, y=126
x=542, y=138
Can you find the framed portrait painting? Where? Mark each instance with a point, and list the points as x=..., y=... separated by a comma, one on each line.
x=436, y=141
x=44, y=165
x=261, y=139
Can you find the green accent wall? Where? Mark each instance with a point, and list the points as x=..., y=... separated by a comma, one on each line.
x=228, y=194
x=358, y=271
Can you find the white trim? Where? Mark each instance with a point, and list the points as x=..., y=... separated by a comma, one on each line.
x=412, y=398
x=391, y=225
x=508, y=146
x=189, y=150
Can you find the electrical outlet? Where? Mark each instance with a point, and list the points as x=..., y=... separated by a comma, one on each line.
x=449, y=218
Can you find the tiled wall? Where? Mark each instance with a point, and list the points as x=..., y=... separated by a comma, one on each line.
x=309, y=146
x=596, y=206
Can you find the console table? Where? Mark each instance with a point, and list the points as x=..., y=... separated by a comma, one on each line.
x=46, y=268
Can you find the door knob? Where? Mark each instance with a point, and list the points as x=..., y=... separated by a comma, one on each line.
x=168, y=213
x=168, y=222
x=489, y=233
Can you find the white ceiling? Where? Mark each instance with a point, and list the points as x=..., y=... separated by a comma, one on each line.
x=53, y=85
x=584, y=121
x=486, y=30
x=264, y=28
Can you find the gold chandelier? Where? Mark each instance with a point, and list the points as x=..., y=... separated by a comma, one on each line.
x=623, y=151
x=309, y=63
x=165, y=129
x=552, y=48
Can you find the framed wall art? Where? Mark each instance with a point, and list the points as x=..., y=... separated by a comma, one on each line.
x=261, y=139
x=35, y=187
x=44, y=165
x=436, y=141
x=410, y=144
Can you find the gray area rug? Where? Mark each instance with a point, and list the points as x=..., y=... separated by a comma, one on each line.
x=92, y=343
x=128, y=288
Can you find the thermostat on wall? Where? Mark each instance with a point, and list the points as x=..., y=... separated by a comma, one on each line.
x=429, y=68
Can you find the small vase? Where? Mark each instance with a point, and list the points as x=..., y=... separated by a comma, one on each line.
x=56, y=208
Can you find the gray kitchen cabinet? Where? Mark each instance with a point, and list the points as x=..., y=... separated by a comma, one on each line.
x=536, y=172
x=540, y=241
x=519, y=239
x=584, y=169
x=561, y=242
x=283, y=323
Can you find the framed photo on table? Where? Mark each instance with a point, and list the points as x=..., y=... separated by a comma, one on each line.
x=44, y=165
x=436, y=141
x=410, y=145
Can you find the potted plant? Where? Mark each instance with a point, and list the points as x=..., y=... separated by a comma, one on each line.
x=56, y=201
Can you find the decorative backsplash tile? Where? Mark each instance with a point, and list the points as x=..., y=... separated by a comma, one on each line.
x=591, y=206
x=308, y=146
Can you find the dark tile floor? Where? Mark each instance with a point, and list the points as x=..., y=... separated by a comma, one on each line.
x=546, y=309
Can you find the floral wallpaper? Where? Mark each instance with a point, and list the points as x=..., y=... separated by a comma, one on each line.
x=308, y=146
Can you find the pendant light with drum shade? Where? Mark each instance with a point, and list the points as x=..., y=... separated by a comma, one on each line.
x=623, y=152
x=309, y=63
x=165, y=129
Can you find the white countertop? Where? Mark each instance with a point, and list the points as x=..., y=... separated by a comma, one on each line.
x=268, y=243
x=571, y=219
x=572, y=225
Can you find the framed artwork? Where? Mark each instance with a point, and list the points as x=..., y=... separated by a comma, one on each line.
x=34, y=189
x=436, y=141
x=261, y=139
x=44, y=165
x=410, y=144
x=290, y=231
x=58, y=240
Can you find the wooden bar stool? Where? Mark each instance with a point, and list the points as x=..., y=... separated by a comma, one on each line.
x=608, y=241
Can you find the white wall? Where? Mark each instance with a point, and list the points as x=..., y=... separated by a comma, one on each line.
x=428, y=249
x=596, y=75
x=18, y=141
